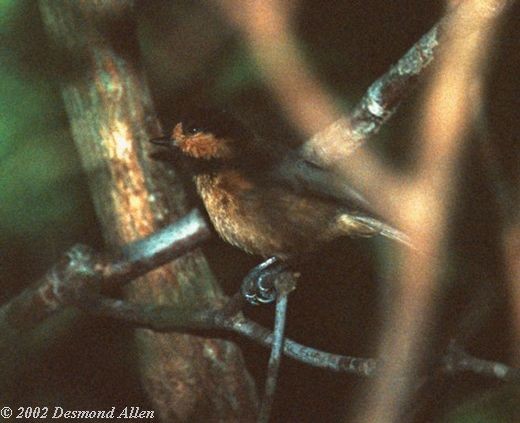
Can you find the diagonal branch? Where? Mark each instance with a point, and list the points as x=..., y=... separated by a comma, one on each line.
x=81, y=266
x=228, y=316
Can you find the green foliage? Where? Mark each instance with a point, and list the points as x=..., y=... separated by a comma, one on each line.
x=6, y=7
x=24, y=133
x=32, y=170
x=43, y=199
x=498, y=406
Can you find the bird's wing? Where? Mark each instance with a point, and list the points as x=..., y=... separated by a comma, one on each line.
x=309, y=178
x=305, y=176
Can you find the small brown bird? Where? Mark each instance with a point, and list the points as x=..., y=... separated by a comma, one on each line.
x=254, y=202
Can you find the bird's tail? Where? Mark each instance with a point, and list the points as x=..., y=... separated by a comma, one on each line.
x=369, y=226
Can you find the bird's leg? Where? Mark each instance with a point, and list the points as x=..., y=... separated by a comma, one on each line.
x=283, y=285
x=258, y=286
x=269, y=281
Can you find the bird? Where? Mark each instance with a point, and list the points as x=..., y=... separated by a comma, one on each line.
x=254, y=198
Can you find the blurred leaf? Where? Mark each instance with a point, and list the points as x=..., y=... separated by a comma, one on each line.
x=44, y=203
x=32, y=165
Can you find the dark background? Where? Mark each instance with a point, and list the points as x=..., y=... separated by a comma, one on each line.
x=193, y=58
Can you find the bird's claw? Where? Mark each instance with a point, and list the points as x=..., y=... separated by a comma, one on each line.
x=259, y=291
x=259, y=285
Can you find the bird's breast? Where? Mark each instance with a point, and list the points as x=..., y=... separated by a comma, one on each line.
x=235, y=209
x=265, y=220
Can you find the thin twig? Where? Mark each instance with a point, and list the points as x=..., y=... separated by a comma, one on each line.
x=225, y=316
x=283, y=288
x=83, y=289
x=385, y=95
x=458, y=360
x=229, y=317
x=313, y=357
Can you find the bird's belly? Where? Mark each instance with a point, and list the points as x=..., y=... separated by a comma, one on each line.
x=264, y=224
x=240, y=227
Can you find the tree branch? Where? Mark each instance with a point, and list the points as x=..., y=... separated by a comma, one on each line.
x=81, y=266
x=458, y=360
x=228, y=316
x=112, y=118
x=284, y=284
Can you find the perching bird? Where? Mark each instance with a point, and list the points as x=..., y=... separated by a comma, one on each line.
x=255, y=201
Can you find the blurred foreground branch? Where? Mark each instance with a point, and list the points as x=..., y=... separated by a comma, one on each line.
x=333, y=136
x=420, y=203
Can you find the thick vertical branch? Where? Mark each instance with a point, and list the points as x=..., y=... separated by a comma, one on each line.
x=106, y=97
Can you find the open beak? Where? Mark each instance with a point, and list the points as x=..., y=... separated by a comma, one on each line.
x=165, y=141
x=168, y=150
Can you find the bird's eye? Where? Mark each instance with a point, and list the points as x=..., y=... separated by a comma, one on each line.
x=192, y=127
x=194, y=130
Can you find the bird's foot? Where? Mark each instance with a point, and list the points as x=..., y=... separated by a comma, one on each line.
x=259, y=286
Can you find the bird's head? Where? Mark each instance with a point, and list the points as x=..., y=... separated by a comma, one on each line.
x=208, y=136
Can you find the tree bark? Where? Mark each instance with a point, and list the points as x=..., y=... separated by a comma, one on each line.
x=188, y=378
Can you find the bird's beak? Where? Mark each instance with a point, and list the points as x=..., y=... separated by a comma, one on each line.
x=165, y=141
x=168, y=150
